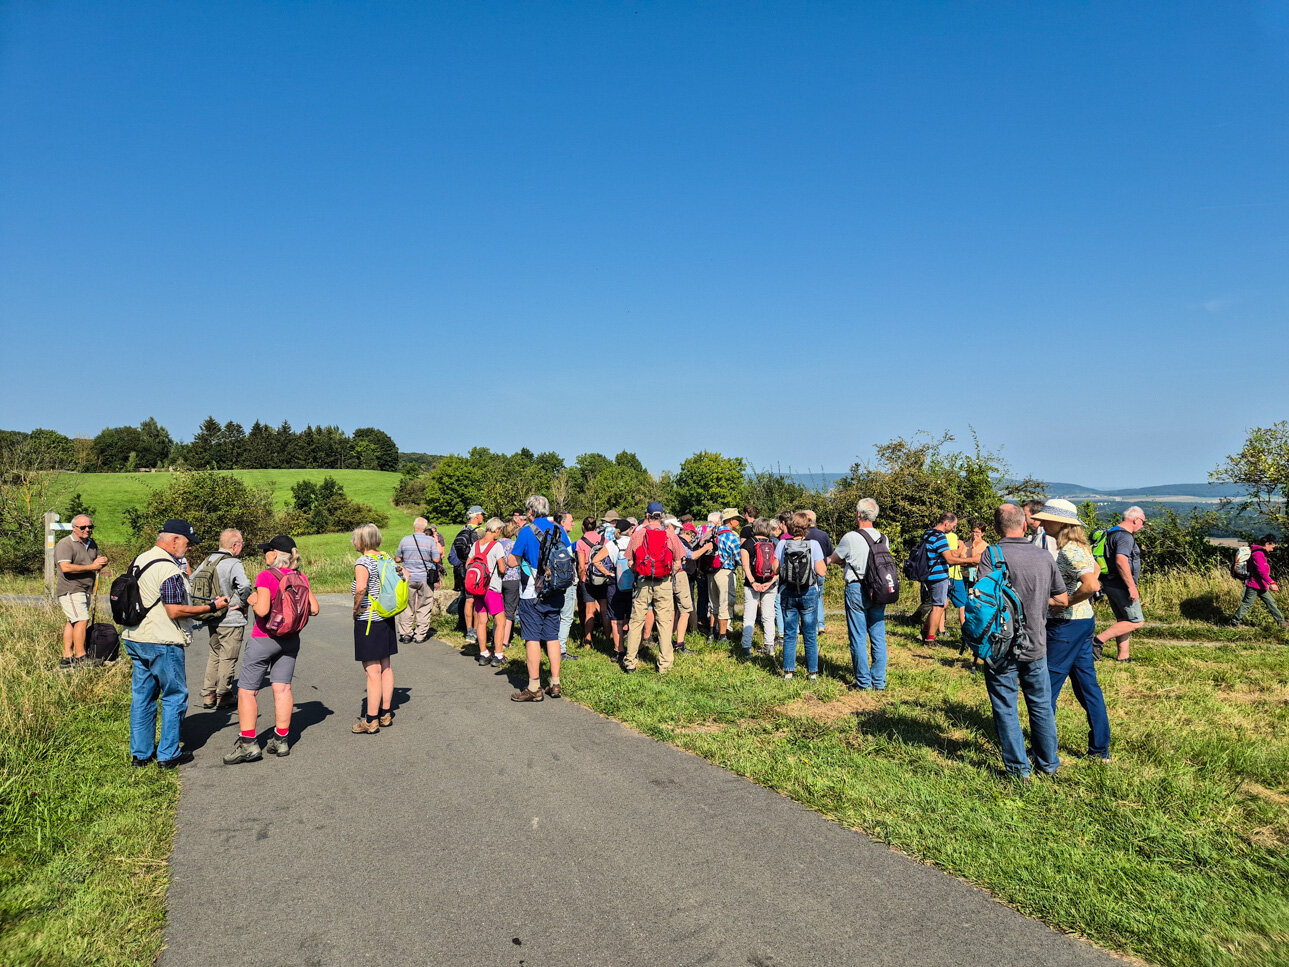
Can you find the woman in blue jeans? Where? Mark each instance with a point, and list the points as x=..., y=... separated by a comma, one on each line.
x=801, y=570
x=1070, y=629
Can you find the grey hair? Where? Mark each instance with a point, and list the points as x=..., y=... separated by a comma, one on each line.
x=84, y=517
x=538, y=506
x=867, y=509
x=229, y=537
x=366, y=537
x=1134, y=511
x=420, y=524
x=761, y=527
x=715, y=517
x=493, y=526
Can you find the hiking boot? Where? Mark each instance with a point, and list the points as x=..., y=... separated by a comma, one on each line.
x=484, y=659
x=386, y=719
x=140, y=763
x=404, y=639
x=497, y=661
x=569, y=656
x=183, y=758
x=363, y=727
x=244, y=750
x=227, y=700
x=208, y=700
x=277, y=745
x=554, y=691
x=527, y=695
x=64, y=663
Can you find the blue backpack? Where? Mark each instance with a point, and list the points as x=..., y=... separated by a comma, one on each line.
x=995, y=619
x=556, y=567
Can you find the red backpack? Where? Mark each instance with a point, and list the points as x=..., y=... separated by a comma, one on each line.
x=763, y=561
x=653, y=558
x=289, y=609
x=477, y=577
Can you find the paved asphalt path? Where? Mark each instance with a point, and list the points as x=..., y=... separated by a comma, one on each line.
x=478, y=831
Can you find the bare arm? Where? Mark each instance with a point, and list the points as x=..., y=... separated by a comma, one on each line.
x=1124, y=567
x=67, y=567
x=192, y=610
x=361, y=576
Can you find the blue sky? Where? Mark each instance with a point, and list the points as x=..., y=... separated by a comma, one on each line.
x=786, y=231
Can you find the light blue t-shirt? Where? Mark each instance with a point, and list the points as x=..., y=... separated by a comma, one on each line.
x=417, y=550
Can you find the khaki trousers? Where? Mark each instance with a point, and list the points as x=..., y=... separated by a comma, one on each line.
x=225, y=647
x=720, y=592
x=659, y=593
x=420, y=603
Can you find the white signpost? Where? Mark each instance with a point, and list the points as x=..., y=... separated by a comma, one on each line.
x=52, y=529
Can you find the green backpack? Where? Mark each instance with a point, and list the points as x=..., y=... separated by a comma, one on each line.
x=1097, y=540
x=205, y=584
x=392, y=596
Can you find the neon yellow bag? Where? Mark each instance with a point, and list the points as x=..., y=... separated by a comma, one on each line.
x=392, y=597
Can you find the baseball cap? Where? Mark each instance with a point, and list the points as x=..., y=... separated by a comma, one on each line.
x=476, y=509
x=279, y=543
x=653, y=508
x=180, y=527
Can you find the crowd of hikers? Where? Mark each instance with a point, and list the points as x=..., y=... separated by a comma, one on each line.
x=1022, y=586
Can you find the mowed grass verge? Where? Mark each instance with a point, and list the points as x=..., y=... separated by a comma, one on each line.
x=1176, y=852
x=84, y=838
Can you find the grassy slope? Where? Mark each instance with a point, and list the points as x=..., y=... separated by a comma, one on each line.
x=110, y=493
x=83, y=837
x=1176, y=852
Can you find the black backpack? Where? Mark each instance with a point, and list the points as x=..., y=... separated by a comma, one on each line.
x=918, y=565
x=127, y=603
x=797, y=572
x=881, y=580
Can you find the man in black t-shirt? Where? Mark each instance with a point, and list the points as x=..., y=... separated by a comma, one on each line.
x=1123, y=571
x=825, y=542
x=461, y=546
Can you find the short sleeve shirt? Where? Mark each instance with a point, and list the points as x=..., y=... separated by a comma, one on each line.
x=936, y=545
x=728, y=546
x=496, y=565
x=955, y=570
x=528, y=550
x=417, y=551
x=1119, y=541
x=267, y=580
x=1073, y=562
x=816, y=552
x=853, y=550
x=72, y=551
x=1034, y=575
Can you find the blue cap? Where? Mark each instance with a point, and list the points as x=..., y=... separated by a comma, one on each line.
x=180, y=527
x=654, y=508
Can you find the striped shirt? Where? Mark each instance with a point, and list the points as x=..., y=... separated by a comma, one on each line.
x=936, y=545
x=373, y=587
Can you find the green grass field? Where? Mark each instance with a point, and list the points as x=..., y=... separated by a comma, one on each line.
x=1176, y=852
x=110, y=493
x=83, y=837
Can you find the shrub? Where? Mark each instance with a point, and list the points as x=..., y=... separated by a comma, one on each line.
x=210, y=502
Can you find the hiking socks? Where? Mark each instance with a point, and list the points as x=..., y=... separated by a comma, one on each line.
x=555, y=680
x=248, y=735
x=371, y=718
x=384, y=712
x=534, y=684
x=281, y=733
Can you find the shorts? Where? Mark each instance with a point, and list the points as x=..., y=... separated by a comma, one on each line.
x=76, y=606
x=595, y=592
x=376, y=642
x=273, y=658
x=680, y=587
x=1124, y=610
x=510, y=598
x=538, y=620
x=958, y=592
x=938, y=592
x=619, y=604
x=490, y=602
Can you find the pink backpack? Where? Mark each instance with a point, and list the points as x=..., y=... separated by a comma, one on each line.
x=289, y=609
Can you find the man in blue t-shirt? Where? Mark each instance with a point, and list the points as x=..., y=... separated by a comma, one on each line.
x=538, y=616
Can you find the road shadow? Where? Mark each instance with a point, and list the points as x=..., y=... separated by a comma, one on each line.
x=305, y=716
x=199, y=727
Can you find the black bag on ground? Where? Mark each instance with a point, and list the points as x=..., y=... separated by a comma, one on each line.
x=102, y=642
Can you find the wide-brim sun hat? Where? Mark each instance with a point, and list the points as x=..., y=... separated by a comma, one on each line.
x=1059, y=512
x=730, y=513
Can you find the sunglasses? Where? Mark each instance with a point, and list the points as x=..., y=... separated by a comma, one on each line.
x=84, y=527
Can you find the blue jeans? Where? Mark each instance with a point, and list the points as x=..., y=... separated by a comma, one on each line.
x=778, y=614
x=865, y=626
x=1069, y=655
x=820, y=621
x=802, y=609
x=1031, y=678
x=158, y=672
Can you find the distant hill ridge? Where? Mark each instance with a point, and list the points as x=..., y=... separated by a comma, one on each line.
x=1201, y=491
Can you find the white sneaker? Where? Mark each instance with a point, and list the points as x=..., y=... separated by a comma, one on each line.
x=787, y=675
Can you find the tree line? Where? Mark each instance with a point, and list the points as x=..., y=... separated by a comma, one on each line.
x=215, y=446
